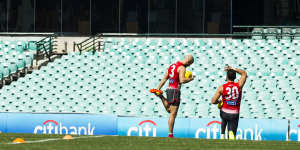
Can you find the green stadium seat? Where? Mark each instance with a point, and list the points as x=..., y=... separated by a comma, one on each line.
x=117, y=80
x=32, y=45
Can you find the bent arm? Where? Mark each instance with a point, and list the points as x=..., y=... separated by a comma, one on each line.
x=243, y=78
x=217, y=95
x=163, y=81
x=182, y=78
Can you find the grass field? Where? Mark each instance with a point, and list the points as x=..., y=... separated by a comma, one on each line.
x=55, y=142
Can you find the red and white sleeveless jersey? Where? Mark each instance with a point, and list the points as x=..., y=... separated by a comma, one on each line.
x=231, y=97
x=174, y=75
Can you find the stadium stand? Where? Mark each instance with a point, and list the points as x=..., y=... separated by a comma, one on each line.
x=117, y=79
x=20, y=55
x=269, y=32
x=14, y=58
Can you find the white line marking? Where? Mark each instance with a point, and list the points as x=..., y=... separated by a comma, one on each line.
x=57, y=139
x=40, y=141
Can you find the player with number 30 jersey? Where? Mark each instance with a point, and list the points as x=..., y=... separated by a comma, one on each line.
x=231, y=93
x=231, y=97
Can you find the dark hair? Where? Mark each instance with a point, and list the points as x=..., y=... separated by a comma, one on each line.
x=231, y=75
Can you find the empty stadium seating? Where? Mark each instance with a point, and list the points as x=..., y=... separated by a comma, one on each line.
x=14, y=57
x=285, y=33
x=117, y=80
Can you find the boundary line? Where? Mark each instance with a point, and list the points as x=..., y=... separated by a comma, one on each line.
x=55, y=139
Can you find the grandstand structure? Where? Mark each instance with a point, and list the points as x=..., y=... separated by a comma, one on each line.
x=14, y=59
x=116, y=78
x=19, y=56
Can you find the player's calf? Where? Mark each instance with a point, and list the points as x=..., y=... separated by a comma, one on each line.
x=159, y=94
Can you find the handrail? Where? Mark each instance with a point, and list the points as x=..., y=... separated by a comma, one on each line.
x=86, y=40
x=89, y=43
x=46, y=45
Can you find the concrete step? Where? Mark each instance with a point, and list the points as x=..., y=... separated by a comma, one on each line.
x=37, y=64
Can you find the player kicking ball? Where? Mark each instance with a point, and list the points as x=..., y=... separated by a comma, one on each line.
x=177, y=75
x=231, y=99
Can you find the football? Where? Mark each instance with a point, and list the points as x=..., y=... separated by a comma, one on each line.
x=188, y=74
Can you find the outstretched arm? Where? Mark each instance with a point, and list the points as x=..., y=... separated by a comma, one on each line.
x=163, y=81
x=243, y=74
x=215, y=98
x=182, y=78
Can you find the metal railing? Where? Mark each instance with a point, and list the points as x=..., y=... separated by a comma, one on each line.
x=93, y=43
x=45, y=46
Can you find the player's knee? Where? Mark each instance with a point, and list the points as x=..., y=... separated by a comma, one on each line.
x=173, y=114
x=168, y=110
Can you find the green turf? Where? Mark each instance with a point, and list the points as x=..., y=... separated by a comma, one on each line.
x=137, y=143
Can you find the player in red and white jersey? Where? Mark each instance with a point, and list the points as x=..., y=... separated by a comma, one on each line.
x=176, y=76
x=231, y=98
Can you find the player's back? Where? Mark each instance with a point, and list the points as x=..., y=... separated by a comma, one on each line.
x=174, y=75
x=231, y=97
